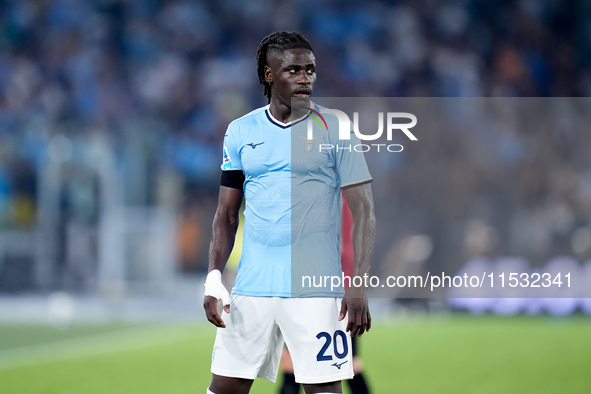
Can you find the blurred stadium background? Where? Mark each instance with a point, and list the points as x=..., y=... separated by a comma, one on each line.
x=112, y=114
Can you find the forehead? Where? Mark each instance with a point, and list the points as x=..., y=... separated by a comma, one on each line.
x=290, y=57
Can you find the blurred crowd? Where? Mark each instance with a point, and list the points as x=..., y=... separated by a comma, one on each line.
x=125, y=102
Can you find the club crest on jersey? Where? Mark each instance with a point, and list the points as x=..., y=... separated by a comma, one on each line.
x=309, y=144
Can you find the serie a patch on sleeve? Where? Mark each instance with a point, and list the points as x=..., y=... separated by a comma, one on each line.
x=227, y=163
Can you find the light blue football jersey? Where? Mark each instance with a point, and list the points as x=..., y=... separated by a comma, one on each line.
x=292, y=192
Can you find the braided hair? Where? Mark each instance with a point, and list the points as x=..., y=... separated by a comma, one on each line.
x=278, y=41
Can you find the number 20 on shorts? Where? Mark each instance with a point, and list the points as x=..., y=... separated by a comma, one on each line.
x=322, y=356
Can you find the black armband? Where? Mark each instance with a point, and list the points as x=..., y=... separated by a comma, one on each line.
x=234, y=179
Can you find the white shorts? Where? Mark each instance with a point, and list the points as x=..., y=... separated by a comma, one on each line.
x=251, y=344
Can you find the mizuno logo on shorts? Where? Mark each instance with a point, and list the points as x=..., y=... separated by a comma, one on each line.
x=338, y=365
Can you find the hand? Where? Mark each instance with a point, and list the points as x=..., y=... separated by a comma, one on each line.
x=355, y=304
x=214, y=291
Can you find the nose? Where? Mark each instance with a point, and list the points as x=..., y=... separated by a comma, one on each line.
x=304, y=78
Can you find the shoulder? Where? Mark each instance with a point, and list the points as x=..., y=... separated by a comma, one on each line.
x=250, y=119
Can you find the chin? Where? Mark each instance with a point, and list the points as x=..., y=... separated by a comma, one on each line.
x=300, y=102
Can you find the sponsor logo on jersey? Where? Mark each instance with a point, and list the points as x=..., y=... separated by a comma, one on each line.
x=254, y=145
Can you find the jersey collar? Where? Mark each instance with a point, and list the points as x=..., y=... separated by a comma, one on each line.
x=281, y=124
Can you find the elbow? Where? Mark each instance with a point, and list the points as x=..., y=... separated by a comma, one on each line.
x=227, y=218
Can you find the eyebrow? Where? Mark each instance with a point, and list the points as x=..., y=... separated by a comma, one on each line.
x=300, y=66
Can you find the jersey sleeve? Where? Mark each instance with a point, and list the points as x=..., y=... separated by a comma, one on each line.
x=350, y=163
x=231, y=155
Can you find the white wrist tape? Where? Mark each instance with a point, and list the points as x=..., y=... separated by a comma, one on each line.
x=215, y=288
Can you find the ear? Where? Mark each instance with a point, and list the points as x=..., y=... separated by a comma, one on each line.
x=268, y=75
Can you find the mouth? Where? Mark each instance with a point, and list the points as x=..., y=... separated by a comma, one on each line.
x=303, y=93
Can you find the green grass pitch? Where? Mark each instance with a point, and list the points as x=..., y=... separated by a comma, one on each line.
x=454, y=354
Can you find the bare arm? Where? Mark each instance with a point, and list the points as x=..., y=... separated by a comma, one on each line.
x=225, y=224
x=360, y=200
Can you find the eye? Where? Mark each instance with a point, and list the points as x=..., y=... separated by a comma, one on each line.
x=311, y=71
x=292, y=70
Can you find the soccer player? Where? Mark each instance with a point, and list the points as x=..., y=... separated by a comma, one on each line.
x=293, y=201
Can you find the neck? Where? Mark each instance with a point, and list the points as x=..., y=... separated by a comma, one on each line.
x=286, y=113
x=280, y=111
